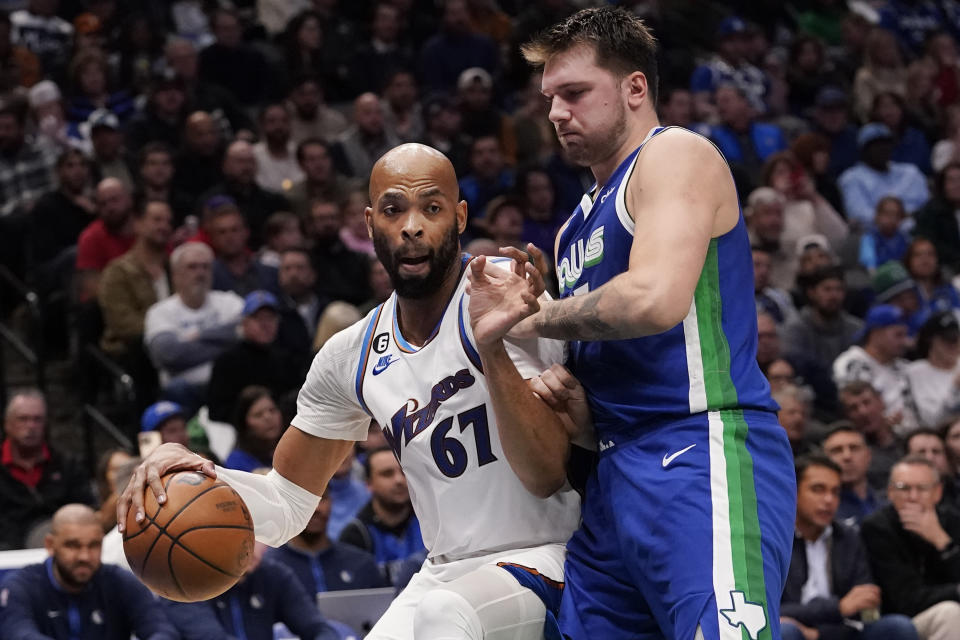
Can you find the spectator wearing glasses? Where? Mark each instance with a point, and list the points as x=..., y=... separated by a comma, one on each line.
x=913, y=550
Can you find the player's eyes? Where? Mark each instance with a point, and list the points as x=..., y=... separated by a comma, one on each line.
x=434, y=208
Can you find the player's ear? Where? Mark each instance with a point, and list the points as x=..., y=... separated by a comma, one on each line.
x=368, y=216
x=637, y=89
x=461, y=216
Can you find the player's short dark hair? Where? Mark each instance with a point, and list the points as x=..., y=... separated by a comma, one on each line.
x=814, y=460
x=151, y=148
x=310, y=142
x=370, y=454
x=622, y=42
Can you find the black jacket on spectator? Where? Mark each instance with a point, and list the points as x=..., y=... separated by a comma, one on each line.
x=194, y=174
x=936, y=222
x=57, y=222
x=114, y=606
x=147, y=127
x=21, y=507
x=293, y=335
x=243, y=71
x=248, y=363
x=255, y=204
x=342, y=274
x=848, y=568
x=912, y=574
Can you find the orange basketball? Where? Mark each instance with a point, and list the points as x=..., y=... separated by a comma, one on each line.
x=194, y=547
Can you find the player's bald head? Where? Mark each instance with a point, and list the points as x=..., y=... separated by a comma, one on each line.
x=73, y=514
x=400, y=163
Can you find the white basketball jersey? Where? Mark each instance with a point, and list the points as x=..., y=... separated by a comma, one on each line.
x=432, y=403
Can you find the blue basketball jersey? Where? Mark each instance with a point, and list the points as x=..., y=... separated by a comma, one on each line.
x=705, y=363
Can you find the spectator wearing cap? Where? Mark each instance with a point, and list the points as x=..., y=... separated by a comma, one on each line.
x=277, y=166
x=235, y=267
x=938, y=220
x=130, y=285
x=935, y=377
x=883, y=70
x=26, y=168
x=885, y=241
x=875, y=176
x=894, y=286
x=21, y=68
x=847, y=446
x=168, y=419
x=320, y=178
x=239, y=184
x=310, y=117
x=402, y=113
x=913, y=549
x=489, y=176
x=728, y=65
x=933, y=290
x=480, y=116
x=443, y=124
x=829, y=581
x=107, y=152
x=363, y=143
x=822, y=330
x=254, y=360
x=199, y=162
x=877, y=359
x=45, y=34
x=455, y=48
x=831, y=118
x=106, y=238
x=745, y=142
x=186, y=332
x=166, y=110
x=35, y=479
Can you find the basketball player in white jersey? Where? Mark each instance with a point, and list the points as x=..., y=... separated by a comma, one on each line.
x=495, y=538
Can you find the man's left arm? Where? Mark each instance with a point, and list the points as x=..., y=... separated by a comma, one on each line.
x=676, y=196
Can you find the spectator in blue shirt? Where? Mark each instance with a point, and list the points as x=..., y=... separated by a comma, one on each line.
x=935, y=292
x=885, y=242
x=744, y=142
x=489, y=176
x=875, y=176
x=71, y=596
x=910, y=143
x=348, y=493
x=387, y=526
x=728, y=65
x=454, y=49
x=848, y=448
x=321, y=564
x=913, y=21
x=268, y=593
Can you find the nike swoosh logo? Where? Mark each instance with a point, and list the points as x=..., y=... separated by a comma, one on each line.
x=383, y=364
x=667, y=459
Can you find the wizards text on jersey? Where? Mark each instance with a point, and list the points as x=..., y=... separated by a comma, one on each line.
x=410, y=420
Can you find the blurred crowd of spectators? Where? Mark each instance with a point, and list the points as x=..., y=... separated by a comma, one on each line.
x=184, y=184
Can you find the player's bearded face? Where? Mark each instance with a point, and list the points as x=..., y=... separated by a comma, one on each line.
x=439, y=258
x=590, y=143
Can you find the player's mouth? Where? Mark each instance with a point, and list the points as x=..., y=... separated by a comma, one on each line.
x=414, y=265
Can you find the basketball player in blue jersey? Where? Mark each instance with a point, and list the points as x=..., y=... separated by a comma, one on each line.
x=495, y=536
x=688, y=519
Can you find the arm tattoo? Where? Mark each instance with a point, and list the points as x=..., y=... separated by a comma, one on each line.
x=581, y=317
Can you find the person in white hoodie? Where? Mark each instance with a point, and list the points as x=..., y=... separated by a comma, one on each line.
x=935, y=378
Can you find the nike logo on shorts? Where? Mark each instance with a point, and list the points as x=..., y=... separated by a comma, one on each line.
x=667, y=459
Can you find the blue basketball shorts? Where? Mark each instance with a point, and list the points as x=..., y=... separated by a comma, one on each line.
x=688, y=525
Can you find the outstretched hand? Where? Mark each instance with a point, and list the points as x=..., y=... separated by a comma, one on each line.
x=499, y=299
